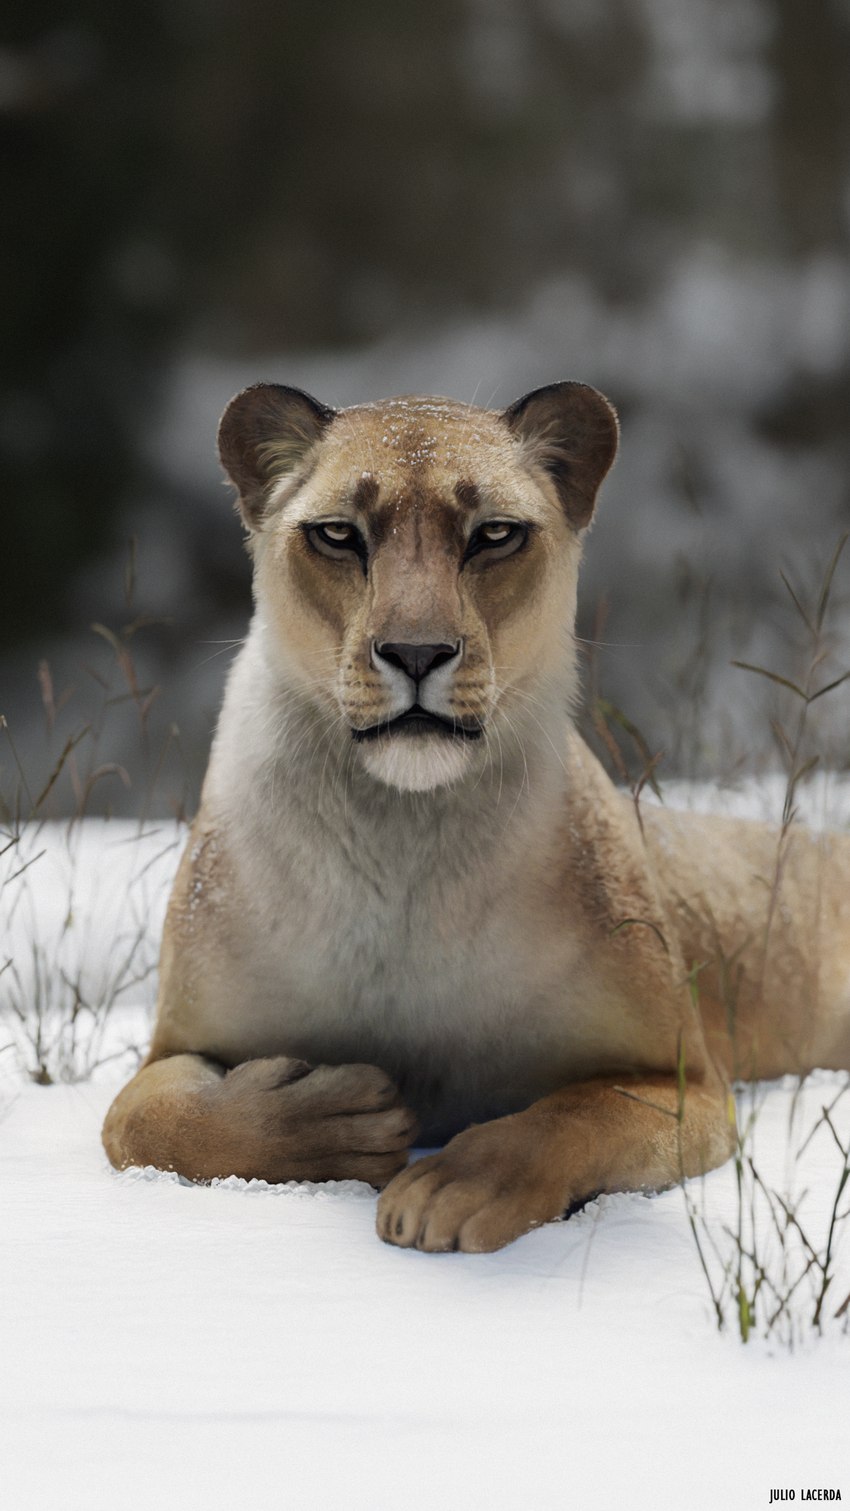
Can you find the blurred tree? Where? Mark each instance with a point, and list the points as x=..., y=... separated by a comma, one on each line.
x=88, y=298
x=811, y=57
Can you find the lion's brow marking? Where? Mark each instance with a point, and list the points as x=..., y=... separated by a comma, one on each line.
x=467, y=494
x=365, y=492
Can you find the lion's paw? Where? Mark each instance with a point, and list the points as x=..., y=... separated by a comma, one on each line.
x=331, y=1122
x=483, y=1191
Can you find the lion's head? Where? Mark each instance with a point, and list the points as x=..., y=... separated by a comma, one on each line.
x=416, y=562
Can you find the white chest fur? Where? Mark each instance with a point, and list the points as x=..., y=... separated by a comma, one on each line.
x=421, y=932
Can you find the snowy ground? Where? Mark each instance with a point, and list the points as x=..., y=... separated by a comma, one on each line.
x=181, y=1347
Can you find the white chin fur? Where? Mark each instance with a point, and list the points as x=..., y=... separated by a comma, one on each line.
x=415, y=763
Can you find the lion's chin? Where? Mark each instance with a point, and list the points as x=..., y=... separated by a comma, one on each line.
x=416, y=763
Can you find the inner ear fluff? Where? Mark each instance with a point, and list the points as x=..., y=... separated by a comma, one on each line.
x=264, y=434
x=570, y=431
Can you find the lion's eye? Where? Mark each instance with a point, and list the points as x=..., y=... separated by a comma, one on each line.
x=499, y=537
x=337, y=534
x=496, y=533
x=338, y=539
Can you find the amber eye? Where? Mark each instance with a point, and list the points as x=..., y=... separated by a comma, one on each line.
x=337, y=533
x=499, y=537
x=496, y=533
x=338, y=539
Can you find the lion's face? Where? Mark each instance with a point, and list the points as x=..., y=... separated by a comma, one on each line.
x=416, y=564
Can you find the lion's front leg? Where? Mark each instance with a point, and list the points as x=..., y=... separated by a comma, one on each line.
x=498, y=1180
x=275, y=1119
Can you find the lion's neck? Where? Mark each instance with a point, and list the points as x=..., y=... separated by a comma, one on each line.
x=291, y=772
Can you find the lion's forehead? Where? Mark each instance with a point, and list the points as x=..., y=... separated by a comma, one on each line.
x=429, y=407
x=442, y=437
x=418, y=459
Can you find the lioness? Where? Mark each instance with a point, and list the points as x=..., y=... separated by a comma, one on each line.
x=412, y=903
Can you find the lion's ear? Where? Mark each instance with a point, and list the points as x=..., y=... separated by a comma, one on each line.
x=264, y=434
x=570, y=431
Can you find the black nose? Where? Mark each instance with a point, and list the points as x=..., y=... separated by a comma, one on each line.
x=416, y=660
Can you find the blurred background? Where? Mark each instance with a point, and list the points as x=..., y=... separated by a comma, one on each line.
x=467, y=197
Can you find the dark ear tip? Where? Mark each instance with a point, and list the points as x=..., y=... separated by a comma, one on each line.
x=573, y=434
x=260, y=416
x=268, y=400
x=582, y=409
x=233, y=409
x=581, y=395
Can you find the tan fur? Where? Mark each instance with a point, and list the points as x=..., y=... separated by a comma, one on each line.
x=474, y=938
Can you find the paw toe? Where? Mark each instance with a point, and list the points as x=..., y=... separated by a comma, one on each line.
x=402, y=1205
x=352, y=1088
x=495, y=1224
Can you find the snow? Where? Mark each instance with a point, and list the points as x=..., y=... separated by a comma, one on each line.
x=169, y=1345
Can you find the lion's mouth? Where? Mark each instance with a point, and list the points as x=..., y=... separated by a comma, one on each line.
x=419, y=721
